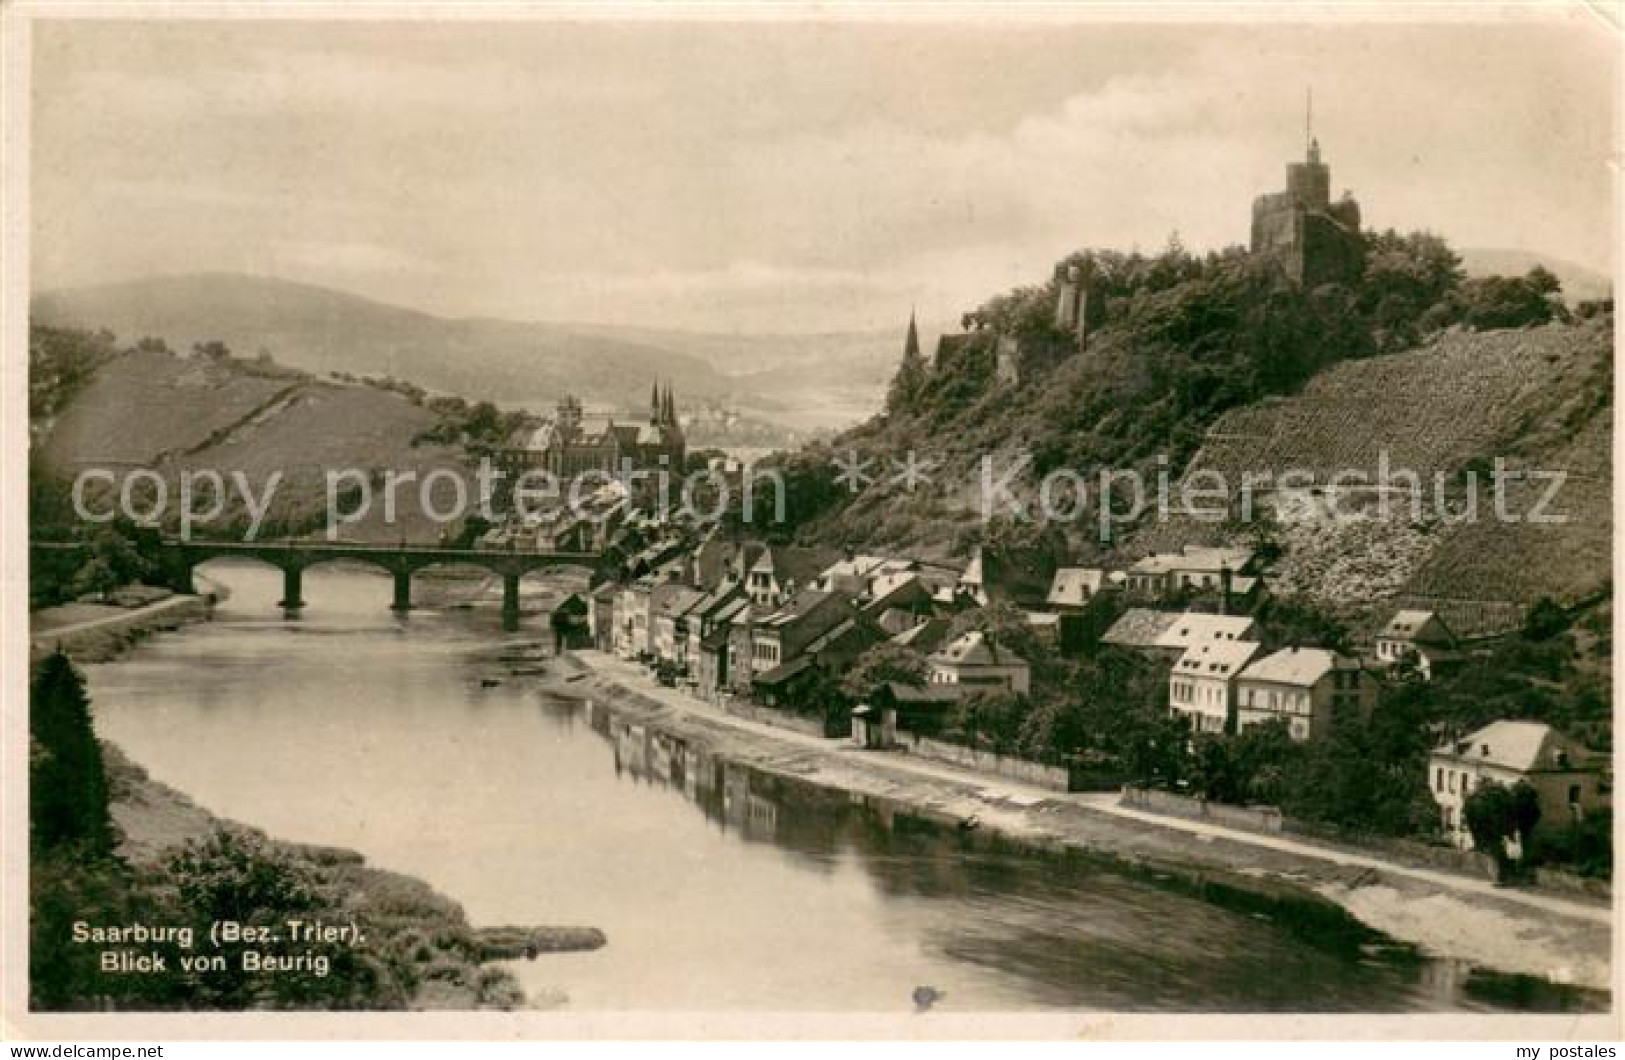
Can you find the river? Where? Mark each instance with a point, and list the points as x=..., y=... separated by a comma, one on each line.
x=718, y=888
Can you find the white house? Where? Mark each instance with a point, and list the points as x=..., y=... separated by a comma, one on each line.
x=1418, y=635
x=1303, y=687
x=1568, y=778
x=1202, y=684
x=1200, y=627
x=975, y=662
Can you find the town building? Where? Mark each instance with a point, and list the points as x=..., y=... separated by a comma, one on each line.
x=1073, y=588
x=669, y=606
x=823, y=659
x=785, y=633
x=715, y=657
x=1569, y=780
x=1018, y=576
x=780, y=571
x=1305, y=687
x=1191, y=628
x=974, y=662
x=572, y=444
x=1202, y=685
x=601, y=617
x=1420, y=637
x=1193, y=569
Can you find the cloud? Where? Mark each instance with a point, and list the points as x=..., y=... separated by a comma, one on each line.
x=816, y=178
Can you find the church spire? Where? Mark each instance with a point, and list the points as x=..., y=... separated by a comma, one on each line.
x=911, y=345
x=654, y=403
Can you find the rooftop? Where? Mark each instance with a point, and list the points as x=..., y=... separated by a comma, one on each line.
x=1222, y=658
x=1524, y=746
x=1073, y=586
x=1297, y=666
x=1193, y=627
x=1140, y=627
x=975, y=649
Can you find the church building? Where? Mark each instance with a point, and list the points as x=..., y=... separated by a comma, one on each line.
x=571, y=444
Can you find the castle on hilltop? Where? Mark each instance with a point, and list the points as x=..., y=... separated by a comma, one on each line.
x=571, y=444
x=1310, y=238
x=1313, y=239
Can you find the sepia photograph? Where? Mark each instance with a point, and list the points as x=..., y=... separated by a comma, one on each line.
x=786, y=521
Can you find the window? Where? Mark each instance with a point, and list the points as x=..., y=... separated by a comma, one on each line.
x=1452, y=782
x=1438, y=778
x=1574, y=794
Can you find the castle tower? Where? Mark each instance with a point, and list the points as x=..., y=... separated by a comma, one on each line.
x=1313, y=239
x=1066, y=299
x=1077, y=307
x=1310, y=181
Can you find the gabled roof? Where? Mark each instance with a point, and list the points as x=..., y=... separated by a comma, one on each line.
x=803, y=603
x=975, y=649
x=926, y=637
x=1196, y=558
x=801, y=565
x=1196, y=627
x=781, y=674
x=1302, y=667
x=1140, y=627
x=1016, y=575
x=1417, y=625
x=718, y=600
x=1524, y=746
x=1073, y=586
x=1218, y=658
x=676, y=602
x=931, y=693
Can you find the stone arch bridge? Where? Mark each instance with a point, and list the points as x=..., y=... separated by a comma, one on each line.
x=179, y=558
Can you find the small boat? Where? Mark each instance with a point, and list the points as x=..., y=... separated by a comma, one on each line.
x=489, y=682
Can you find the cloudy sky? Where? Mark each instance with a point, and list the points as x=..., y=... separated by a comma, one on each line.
x=788, y=177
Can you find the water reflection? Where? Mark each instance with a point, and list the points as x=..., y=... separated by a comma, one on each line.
x=415, y=742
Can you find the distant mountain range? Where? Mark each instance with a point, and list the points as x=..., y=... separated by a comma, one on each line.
x=807, y=379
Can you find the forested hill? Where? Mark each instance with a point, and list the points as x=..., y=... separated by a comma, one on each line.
x=1221, y=356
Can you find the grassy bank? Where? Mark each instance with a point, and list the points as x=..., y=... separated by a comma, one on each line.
x=418, y=950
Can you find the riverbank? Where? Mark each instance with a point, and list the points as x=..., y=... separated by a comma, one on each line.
x=423, y=952
x=99, y=632
x=1447, y=917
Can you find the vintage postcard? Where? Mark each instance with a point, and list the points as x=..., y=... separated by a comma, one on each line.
x=809, y=521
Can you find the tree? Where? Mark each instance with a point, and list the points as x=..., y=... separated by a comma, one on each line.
x=885, y=663
x=1545, y=620
x=990, y=716
x=1005, y=627
x=213, y=350
x=68, y=791
x=1495, y=813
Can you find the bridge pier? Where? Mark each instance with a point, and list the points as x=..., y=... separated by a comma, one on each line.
x=510, y=602
x=403, y=592
x=292, y=580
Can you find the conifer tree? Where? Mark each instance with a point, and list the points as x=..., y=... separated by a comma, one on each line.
x=68, y=792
